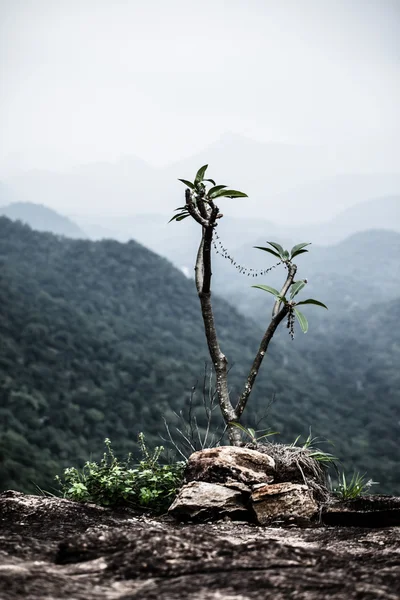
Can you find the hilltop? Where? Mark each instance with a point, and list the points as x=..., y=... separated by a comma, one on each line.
x=42, y=218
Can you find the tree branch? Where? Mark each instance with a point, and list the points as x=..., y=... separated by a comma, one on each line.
x=292, y=269
x=221, y=367
x=193, y=211
x=277, y=318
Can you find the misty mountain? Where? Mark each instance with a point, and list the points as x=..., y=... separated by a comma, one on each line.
x=41, y=218
x=103, y=339
x=360, y=271
x=179, y=241
x=306, y=183
x=378, y=213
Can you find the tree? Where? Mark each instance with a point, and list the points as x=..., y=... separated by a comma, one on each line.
x=201, y=206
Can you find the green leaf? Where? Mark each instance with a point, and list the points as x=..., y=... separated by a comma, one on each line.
x=179, y=217
x=230, y=194
x=200, y=175
x=296, y=288
x=180, y=208
x=277, y=247
x=298, y=247
x=214, y=189
x=188, y=184
x=267, y=435
x=268, y=289
x=268, y=250
x=285, y=255
x=312, y=301
x=210, y=180
x=302, y=320
x=239, y=426
x=299, y=252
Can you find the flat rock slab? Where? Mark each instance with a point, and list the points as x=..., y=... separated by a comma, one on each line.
x=55, y=549
x=231, y=466
x=368, y=511
x=204, y=501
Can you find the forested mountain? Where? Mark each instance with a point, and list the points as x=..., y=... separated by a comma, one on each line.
x=41, y=218
x=363, y=269
x=103, y=339
x=179, y=243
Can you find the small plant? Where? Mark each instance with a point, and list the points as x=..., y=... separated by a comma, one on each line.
x=186, y=435
x=252, y=433
x=147, y=485
x=349, y=489
x=316, y=453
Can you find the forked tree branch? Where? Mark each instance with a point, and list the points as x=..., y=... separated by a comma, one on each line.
x=292, y=269
x=277, y=318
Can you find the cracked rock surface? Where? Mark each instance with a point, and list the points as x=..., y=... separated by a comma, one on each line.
x=57, y=549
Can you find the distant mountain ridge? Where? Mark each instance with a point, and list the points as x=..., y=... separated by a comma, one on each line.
x=178, y=241
x=308, y=183
x=359, y=271
x=42, y=218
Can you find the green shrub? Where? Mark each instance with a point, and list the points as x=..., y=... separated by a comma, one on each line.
x=147, y=485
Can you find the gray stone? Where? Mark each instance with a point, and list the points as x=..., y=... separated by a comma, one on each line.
x=282, y=502
x=234, y=467
x=201, y=500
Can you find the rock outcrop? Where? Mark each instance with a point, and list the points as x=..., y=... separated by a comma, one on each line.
x=53, y=549
x=239, y=482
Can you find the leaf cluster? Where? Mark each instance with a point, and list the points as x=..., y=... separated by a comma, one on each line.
x=147, y=485
x=286, y=258
x=198, y=190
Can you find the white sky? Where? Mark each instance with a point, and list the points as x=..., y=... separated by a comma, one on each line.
x=89, y=80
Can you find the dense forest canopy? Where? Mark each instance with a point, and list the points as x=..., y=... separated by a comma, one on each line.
x=103, y=339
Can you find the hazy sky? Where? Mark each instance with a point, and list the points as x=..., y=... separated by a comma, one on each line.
x=87, y=80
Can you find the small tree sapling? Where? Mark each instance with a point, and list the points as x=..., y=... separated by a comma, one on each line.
x=201, y=196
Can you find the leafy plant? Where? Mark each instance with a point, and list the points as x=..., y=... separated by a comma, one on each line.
x=200, y=205
x=349, y=489
x=111, y=482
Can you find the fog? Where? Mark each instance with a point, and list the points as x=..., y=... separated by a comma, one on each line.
x=312, y=86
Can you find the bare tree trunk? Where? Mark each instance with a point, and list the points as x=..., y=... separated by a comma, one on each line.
x=203, y=276
x=221, y=369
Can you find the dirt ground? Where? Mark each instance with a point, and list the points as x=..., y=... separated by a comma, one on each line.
x=57, y=549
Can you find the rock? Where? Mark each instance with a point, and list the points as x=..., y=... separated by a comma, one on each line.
x=234, y=467
x=204, y=501
x=367, y=511
x=282, y=502
x=56, y=549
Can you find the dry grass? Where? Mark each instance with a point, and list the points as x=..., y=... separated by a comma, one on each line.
x=297, y=465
